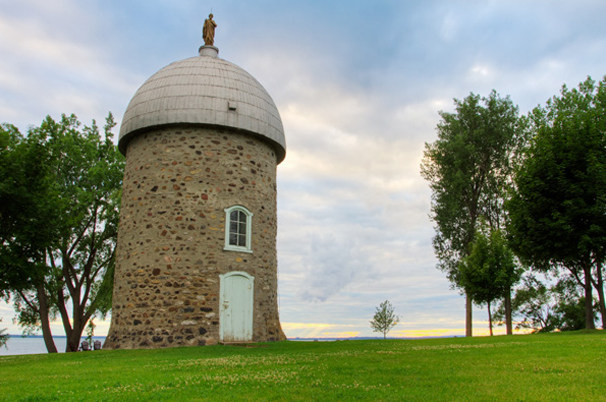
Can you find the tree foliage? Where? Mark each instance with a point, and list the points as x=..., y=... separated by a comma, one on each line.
x=557, y=215
x=384, y=319
x=489, y=271
x=60, y=189
x=469, y=169
x=26, y=208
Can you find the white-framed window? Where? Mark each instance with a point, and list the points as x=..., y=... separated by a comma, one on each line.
x=238, y=230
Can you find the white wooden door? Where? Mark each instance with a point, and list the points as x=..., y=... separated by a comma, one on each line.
x=236, y=307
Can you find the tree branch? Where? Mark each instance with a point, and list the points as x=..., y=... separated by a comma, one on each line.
x=79, y=237
x=26, y=300
x=63, y=311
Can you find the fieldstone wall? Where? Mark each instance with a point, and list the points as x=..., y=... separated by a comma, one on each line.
x=177, y=183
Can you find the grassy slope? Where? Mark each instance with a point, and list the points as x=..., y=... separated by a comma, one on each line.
x=529, y=367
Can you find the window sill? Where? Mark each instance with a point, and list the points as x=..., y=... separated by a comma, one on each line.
x=239, y=249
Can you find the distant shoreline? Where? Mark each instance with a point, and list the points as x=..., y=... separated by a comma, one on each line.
x=34, y=344
x=356, y=338
x=54, y=336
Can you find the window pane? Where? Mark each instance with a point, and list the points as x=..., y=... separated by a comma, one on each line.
x=233, y=227
x=233, y=239
x=233, y=216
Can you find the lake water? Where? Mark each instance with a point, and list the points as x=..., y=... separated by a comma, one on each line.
x=29, y=345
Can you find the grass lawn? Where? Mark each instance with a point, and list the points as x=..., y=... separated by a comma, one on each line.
x=567, y=366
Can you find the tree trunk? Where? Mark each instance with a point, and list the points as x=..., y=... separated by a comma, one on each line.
x=489, y=319
x=600, y=288
x=508, y=323
x=71, y=344
x=67, y=323
x=74, y=331
x=73, y=341
x=43, y=311
x=468, y=316
x=589, y=324
x=73, y=338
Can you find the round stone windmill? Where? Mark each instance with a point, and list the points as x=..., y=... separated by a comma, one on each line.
x=196, y=254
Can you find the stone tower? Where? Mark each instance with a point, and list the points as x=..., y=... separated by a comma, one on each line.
x=196, y=255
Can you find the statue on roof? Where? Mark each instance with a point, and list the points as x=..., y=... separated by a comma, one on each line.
x=208, y=31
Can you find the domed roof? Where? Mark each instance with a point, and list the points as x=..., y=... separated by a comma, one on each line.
x=204, y=90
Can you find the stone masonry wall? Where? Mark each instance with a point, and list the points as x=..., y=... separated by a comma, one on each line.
x=177, y=183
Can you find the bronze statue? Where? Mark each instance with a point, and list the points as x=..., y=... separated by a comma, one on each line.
x=208, y=31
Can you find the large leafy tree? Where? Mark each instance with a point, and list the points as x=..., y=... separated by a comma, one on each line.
x=469, y=169
x=489, y=271
x=60, y=190
x=27, y=221
x=558, y=211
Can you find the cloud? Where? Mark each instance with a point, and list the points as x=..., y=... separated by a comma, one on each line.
x=53, y=66
x=329, y=265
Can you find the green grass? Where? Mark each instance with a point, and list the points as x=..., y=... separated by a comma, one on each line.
x=526, y=367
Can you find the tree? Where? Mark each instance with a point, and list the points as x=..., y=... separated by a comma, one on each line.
x=60, y=190
x=546, y=308
x=569, y=306
x=384, y=319
x=27, y=221
x=572, y=315
x=469, y=169
x=557, y=215
x=533, y=304
x=489, y=271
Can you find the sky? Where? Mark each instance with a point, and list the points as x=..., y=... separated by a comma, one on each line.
x=359, y=86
